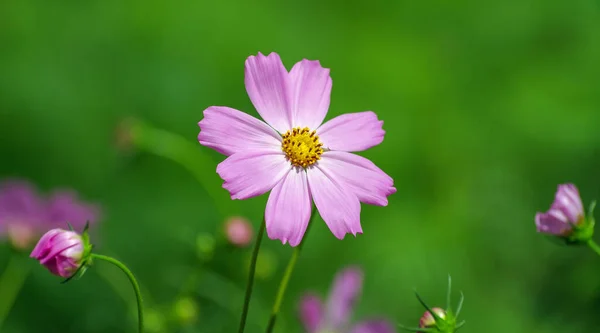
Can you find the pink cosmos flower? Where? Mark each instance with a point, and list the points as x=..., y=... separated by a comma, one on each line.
x=21, y=212
x=60, y=251
x=294, y=154
x=25, y=214
x=334, y=315
x=65, y=206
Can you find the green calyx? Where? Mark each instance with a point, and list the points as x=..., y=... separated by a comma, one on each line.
x=445, y=321
x=583, y=231
x=86, y=257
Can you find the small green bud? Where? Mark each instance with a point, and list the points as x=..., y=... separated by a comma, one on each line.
x=438, y=320
x=186, y=310
x=266, y=264
x=205, y=246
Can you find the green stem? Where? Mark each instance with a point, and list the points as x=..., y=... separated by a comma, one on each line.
x=594, y=246
x=134, y=283
x=286, y=278
x=11, y=282
x=250, y=283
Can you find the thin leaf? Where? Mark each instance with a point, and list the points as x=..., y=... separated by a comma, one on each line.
x=449, y=294
x=427, y=307
x=460, y=304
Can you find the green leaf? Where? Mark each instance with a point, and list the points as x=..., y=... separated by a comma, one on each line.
x=427, y=307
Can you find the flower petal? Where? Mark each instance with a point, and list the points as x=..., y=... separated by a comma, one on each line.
x=373, y=326
x=352, y=132
x=568, y=201
x=310, y=93
x=44, y=244
x=65, y=206
x=339, y=207
x=311, y=313
x=369, y=183
x=289, y=208
x=20, y=203
x=252, y=173
x=267, y=84
x=347, y=287
x=553, y=222
x=230, y=131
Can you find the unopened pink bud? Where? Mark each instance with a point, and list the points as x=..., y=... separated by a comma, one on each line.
x=60, y=251
x=238, y=231
x=428, y=320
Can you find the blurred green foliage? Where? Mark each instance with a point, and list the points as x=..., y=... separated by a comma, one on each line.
x=487, y=107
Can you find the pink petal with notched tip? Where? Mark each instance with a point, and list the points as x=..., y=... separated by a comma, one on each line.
x=267, y=84
x=252, y=173
x=338, y=206
x=289, y=208
x=347, y=287
x=311, y=313
x=352, y=132
x=310, y=85
x=230, y=131
x=368, y=182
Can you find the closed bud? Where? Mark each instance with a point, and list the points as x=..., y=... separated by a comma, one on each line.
x=60, y=251
x=438, y=320
x=205, y=246
x=238, y=231
x=186, y=310
x=566, y=217
x=428, y=320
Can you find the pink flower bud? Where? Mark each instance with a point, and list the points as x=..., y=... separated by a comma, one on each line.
x=238, y=231
x=61, y=251
x=566, y=211
x=428, y=320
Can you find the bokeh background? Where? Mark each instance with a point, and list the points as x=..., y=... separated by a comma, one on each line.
x=487, y=107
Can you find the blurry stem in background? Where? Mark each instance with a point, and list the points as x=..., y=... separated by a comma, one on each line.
x=251, y=273
x=134, y=283
x=286, y=277
x=594, y=246
x=190, y=156
x=11, y=281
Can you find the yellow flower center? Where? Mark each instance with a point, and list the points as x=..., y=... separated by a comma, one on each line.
x=302, y=147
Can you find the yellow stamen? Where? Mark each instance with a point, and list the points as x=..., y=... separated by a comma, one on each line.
x=302, y=146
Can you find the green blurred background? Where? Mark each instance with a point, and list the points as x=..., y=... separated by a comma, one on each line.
x=487, y=107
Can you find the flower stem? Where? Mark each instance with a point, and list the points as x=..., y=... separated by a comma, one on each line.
x=594, y=246
x=286, y=278
x=11, y=281
x=250, y=283
x=134, y=283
